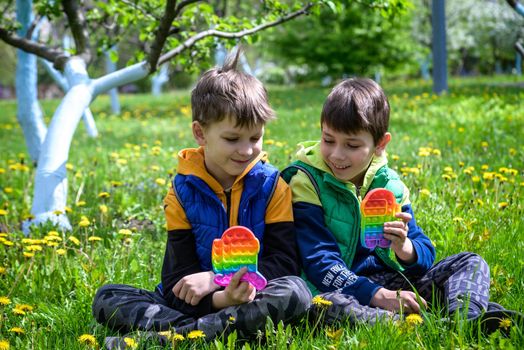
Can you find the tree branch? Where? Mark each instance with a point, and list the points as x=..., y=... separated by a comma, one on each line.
x=77, y=24
x=183, y=4
x=30, y=46
x=235, y=35
x=161, y=34
x=135, y=5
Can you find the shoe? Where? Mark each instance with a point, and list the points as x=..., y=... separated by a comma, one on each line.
x=498, y=319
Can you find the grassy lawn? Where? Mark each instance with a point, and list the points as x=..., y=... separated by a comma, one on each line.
x=461, y=155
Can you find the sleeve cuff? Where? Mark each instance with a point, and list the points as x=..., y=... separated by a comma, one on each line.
x=363, y=290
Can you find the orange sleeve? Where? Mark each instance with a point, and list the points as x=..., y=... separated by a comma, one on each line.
x=280, y=207
x=175, y=215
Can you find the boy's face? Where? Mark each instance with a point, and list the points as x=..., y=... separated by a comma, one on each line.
x=228, y=149
x=349, y=155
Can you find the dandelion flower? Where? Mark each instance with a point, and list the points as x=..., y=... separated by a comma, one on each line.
x=53, y=234
x=125, y=232
x=28, y=254
x=24, y=307
x=3, y=212
x=103, y=208
x=3, y=270
x=18, y=312
x=503, y=205
x=4, y=344
x=321, y=302
x=58, y=212
x=103, y=195
x=177, y=336
x=425, y=192
x=74, y=240
x=87, y=339
x=414, y=320
x=334, y=334
x=130, y=343
x=160, y=182
x=5, y=301
x=196, y=334
x=8, y=190
x=94, y=239
x=61, y=251
x=80, y=203
x=17, y=330
x=505, y=323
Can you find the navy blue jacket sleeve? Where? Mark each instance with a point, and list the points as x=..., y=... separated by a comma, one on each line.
x=321, y=258
x=422, y=245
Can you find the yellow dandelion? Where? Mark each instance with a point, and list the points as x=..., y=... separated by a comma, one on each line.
x=448, y=169
x=414, y=320
x=484, y=144
x=395, y=157
x=3, y=212
x=116, y=183
x=61, y=251
x=196, y=334
x=80, y=203
x=84, y=222
x=5, y=301
x=103, y=208
x=52, y=244
x=130, y=343
x=87, y=339
x=8, y=190
x=446, y=177
x=69, y=166
x=7, y=242
x=334, y=334
x=321, y=302
x=52, y=239
x=4, y=344
x=103, y=195
x=160, y=181
x=425, y=192
x=475, y=179
x=58, y=212
x=484, y=167
x=503, y=205
x=512, y=151
x=74, y=240
x=178, y=337
x=28, y=254
x=3, y=270
x=34, y=248
x=18, y=312
x=24, y=307
x=53, y=234
x=125, y=232
x=505, y=323
x=3, y=234
x=94, y=239
x=17, y=330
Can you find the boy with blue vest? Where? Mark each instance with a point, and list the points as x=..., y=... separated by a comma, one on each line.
x=225, y=182
x=328, y=180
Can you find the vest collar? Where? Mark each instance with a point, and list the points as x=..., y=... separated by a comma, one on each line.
x=191, y=162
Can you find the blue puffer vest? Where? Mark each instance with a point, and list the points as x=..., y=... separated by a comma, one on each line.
x=208, y=216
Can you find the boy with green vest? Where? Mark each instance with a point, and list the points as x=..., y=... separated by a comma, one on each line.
x=225, y=182
x=329, y=180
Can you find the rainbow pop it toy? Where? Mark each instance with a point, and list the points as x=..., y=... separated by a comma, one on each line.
x=379, y=206
x=237, y=248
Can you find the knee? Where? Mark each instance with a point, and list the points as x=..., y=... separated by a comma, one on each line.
x=100, y=301
x=477, y=261
x=298, y=293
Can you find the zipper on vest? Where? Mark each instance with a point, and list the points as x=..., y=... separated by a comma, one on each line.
x=228, y=206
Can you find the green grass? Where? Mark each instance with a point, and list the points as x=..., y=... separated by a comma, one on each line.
x=461, y=154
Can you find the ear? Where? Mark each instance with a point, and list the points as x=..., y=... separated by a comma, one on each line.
x=198, y=133
x=382, y=143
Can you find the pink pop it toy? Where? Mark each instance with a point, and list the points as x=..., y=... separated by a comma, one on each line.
x=237, y=248
x=379, y=206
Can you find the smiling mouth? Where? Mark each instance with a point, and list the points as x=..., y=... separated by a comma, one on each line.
x=241, y=161
x=339, y=167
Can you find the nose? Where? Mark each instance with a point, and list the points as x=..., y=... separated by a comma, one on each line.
x=245, y=149
x=338, y=153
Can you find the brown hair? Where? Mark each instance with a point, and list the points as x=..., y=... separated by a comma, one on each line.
x=226, y=92
x=357, y=104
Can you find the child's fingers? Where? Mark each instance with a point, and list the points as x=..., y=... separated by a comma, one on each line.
x=406, y=217
x=235, y=280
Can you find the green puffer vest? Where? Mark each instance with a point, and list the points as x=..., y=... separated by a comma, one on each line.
x=337, y=200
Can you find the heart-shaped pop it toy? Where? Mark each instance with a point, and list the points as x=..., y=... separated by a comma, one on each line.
x=379, y=206
x=237, y=248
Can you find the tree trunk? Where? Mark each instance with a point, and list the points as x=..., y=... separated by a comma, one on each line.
x=29, y=113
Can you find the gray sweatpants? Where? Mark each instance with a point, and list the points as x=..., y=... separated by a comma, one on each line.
x=125, y=308
x=457, y=282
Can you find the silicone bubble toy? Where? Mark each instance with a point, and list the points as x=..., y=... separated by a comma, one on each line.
x=237, y=248
x=379, y=206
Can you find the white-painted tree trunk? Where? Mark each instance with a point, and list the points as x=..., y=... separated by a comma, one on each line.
x=87, y=117
x=113, y=93
x=29, y=113
x=159, y=79
x=50, y=193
